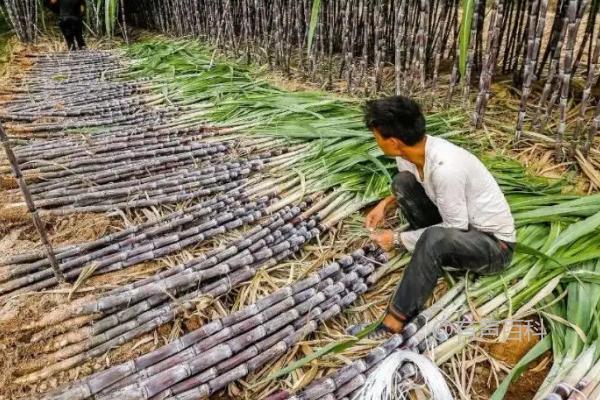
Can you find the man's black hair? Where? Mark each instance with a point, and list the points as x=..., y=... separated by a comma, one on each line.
x=396, y=116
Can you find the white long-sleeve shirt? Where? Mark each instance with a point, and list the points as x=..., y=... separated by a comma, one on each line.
x=463, y=190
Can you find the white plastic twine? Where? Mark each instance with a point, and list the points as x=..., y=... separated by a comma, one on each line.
x=383, y=384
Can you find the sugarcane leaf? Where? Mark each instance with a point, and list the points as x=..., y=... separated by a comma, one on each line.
x=536, y=352
x=465, y=34
x=84, y=275
x=564, y=321
x=380, y=165
x=314, y=17
x=335, y=347
x=524, y=249
x=576, y=231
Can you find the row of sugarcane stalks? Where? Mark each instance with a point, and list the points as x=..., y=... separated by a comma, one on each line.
x=129, y=166
x=57, y=93
x=204, y=171
x=93, y=326
x=204, y=361
x=361, y=41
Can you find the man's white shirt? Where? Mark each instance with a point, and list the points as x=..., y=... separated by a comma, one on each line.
x=464, y=191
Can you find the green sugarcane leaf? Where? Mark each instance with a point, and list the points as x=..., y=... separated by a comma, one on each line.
x=465, y=34
x=314, y=17
x=576, y=231
x=536, y=352
x=380, y=165
x=524, y=249
x=335, y=347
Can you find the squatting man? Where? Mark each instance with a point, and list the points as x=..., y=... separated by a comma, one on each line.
x=457, y=214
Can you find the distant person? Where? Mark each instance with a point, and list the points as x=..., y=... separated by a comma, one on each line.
x=70, y=14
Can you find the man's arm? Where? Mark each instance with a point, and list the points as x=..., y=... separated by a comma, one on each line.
x=377, y=214
x=450, y=190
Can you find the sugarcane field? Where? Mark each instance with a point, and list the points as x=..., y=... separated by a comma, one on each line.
x=300, y=199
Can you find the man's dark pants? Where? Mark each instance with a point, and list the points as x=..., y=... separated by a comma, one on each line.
x=438, y=247
x=72, y=29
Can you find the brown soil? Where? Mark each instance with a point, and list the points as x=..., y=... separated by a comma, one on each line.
x=8, y=182
x=520, y=340
x=18, y=234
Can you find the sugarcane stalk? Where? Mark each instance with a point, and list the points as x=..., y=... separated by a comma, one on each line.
x=574, y=15
x=151, y=319
x=592, y=78
x=39, y=225
x=471, y=51
x=489, y=62
x=269, y=308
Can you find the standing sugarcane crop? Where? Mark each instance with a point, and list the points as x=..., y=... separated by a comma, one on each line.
x=415, y=37
x=22, y=15
x=457, y=212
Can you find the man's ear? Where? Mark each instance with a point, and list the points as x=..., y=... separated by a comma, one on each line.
x=397, y=142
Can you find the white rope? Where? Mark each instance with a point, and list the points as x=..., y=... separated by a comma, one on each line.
x=383, y=383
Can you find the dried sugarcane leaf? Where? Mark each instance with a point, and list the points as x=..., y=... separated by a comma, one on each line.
x=335, y=347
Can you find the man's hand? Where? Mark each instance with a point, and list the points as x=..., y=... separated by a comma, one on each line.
x=376, y=216
x=385, y=239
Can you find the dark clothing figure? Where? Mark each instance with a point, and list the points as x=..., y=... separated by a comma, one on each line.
x=72, y=30
x=438, y=247
x=72, y=8
x=52, y=6
x=70, y=14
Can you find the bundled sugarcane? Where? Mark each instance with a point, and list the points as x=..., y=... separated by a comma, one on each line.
x=204, y=361
x=138, y=308
x=73, y=92
x=350, y=378
x=136, y=244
